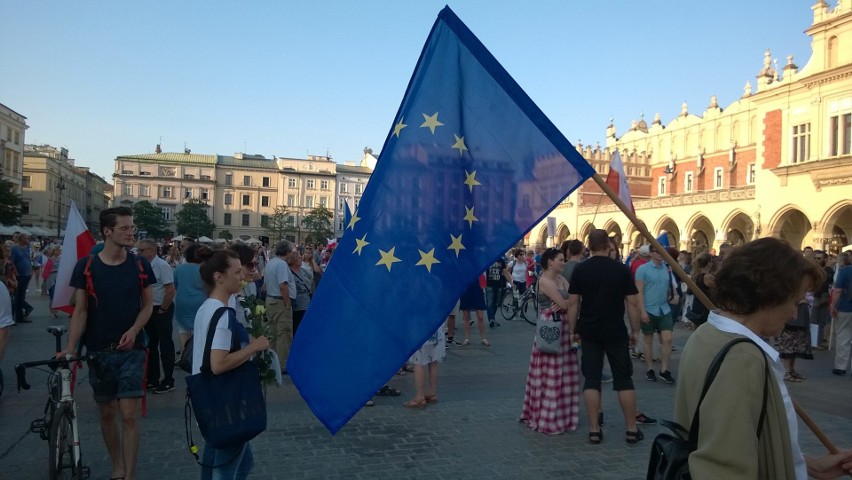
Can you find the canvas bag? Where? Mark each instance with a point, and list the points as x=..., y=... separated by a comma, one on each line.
x=548, y=332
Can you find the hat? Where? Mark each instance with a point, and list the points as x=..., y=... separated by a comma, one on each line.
x=645, y=250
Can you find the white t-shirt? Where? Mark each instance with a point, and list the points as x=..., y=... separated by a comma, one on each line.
x=519, y=271
x=6, y=318
x=277, y=272
x=164, y=276
x=221, y=339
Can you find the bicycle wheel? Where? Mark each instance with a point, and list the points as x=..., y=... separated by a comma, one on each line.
x=61, y=444
x=529, y=310
x=508, y=305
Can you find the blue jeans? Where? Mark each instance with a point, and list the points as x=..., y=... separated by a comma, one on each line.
x=492, y=301
x=237, y=469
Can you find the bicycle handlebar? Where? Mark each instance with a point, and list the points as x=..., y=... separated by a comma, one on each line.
x=21, y=368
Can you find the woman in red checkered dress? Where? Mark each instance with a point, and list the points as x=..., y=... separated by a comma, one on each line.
x=551, y=401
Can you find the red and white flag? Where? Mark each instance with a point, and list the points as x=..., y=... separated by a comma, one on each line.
x=77, y=244
x=617, y=180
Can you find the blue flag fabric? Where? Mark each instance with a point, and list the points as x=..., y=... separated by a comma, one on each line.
x=664, y=239
x=347, y=213
x=468, y=167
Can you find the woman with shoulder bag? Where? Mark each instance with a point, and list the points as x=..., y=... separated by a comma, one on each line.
x=222, y=274
x=552, y=397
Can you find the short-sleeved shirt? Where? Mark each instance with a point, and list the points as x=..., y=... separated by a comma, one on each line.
x=190, y=292
x=119, y=299
x=164, y=275
x=603, y=284
x=655, y=289
x=278, y=272
x=23, y=261
x=844, y=282
x=568, y=270
x=222, y=338
x=495, y=276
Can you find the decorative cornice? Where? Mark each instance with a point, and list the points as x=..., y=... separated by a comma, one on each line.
x=829, y=172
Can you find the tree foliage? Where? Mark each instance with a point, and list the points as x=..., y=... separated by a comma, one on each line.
x=192, y=219
x=226, y=235
x=279, y=224
x=149, y=217
x=10, y=203
x=318, y=225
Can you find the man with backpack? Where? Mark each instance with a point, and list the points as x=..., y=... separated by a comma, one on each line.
x=113, y=301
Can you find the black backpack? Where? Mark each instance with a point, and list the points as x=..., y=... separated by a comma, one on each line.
x=670, y=453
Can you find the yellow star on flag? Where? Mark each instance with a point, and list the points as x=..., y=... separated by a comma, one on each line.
x=456, y=245
x=353, y=221
x=388, y=258
x=469, y=216
x=431, y=121
x=360, y=243
x=470, y=180
x=459, y=145
x=398, y=127
x=427, y=259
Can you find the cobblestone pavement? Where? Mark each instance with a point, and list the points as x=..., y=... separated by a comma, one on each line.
x=472, y=433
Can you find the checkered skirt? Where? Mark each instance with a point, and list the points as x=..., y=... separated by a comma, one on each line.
x=552, y=397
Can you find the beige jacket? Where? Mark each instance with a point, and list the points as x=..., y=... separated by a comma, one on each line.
x=728, y=445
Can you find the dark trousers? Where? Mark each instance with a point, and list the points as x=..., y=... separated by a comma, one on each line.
x=298, y=315
x=492, y=300
x=20, y=303
x=161, y=347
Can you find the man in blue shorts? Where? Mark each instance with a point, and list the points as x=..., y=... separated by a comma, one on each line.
x=113, y=302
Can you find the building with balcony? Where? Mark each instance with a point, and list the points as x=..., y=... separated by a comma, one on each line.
x=351, y=182
x=775, y=162
x=13, y=128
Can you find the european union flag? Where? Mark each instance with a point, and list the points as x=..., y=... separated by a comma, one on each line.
x=469, y=166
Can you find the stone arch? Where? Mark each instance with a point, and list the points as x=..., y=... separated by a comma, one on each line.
x=837, y=226
x=613, y=229
x=585, y=230
x=738, y=228
x=672, y=231
x=701, y=234
x=541, y=237
x=562, y=234
x=791, y=224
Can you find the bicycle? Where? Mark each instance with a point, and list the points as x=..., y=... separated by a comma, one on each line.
x=527, y=303
x=59, y=424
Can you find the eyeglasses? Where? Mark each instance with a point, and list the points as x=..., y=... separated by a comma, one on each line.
x=125, y=228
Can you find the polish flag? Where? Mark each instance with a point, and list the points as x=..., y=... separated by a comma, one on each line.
x=77, y=244
x=617, y=180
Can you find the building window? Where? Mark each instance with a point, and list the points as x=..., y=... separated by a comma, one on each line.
x=358, y=189
x=229, y=179
x=266, y=181
x=264, y=201
x=187, y=193
x=687, y=182
x=205, y=177
x=227, y=219
x=340, y=225
x=291, y=200
x=801, y=143
x=291, y=183
x=309, y=201
x=17, y=137
x=144, y=190
x=264, y=221
x=344, y=188
x=26, y=181
x=750, y=174
x=128, y=190
x=661, y=186
x=25, y=208
x=718, y=177
x=167, y=213
x=840, y=134
x=324, y=202
x=229, y=198
x=246, y=181
x=246, y=200
x=205, y=194
x=187, y=176
x=310, y=184
x=323, y=184
x=291, y=221
x=341, y=203
x=245, y=219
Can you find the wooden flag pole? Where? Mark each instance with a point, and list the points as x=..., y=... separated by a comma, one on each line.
x=699, y=294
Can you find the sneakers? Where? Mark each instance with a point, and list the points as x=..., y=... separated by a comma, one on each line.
x=643, y=419
x=28, y=310
x=493, y=324
x=667, y=377
x=151, y=385
x=838, y=371
x=165, y=387
x=451, y=342
x=650, y=376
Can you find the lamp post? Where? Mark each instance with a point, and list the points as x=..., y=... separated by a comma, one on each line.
x=61, y=187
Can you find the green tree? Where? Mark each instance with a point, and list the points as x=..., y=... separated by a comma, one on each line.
x=226, y=234
x=279, y=224
x=318, y=225
x=149, y=217
x=10, y=203
x=192, y=219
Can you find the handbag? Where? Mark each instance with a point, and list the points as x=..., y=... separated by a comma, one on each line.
x=548, y=332
x=670, y=452
x=229, y=408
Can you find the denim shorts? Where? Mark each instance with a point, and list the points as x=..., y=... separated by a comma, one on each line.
x=115, y=375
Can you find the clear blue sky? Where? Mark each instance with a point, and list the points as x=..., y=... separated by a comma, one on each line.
x=295, y=77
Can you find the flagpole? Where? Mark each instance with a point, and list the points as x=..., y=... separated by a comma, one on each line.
x=640, y=225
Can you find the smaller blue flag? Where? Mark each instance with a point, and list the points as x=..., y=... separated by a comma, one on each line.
x=347, y=213
x=664, y=239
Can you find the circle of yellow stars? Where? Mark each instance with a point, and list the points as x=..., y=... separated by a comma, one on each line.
x=427, y=259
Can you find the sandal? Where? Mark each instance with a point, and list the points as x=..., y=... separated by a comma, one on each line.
x=387, y=391
x=485, y=342
x=633, y=437
x=466, y=342
x=798, y=375
x=595, y=437
x=789, y=377
x=370, y=403
x=415, y=404
x=431, y=398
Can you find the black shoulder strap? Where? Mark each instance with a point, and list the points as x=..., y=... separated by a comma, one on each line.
x=211, y=331
x=711, y=375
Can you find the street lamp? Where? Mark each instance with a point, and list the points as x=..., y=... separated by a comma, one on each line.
x=61, y=187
